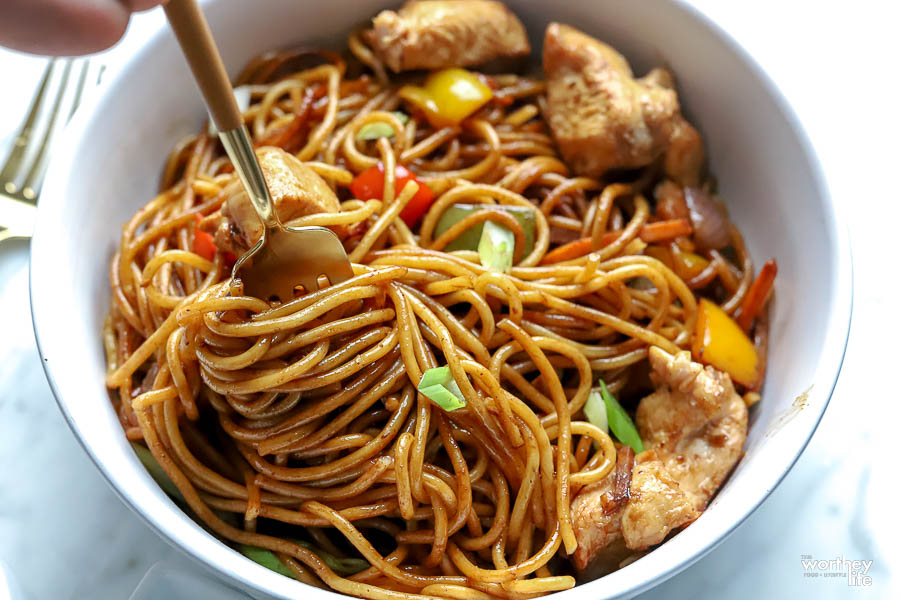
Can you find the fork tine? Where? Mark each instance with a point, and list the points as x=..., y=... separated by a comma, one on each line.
x=79, y=90
x=32, y=183
x=20, y=146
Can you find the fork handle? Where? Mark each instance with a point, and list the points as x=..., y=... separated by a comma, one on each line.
x=199, y=48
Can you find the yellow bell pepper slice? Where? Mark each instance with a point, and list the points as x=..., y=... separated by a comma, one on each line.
x=720, y=342
x=692, y=264
x=660, y=253
x=689, y=266
x=448, y=96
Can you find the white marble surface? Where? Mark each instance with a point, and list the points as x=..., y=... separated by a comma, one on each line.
x=64, y=534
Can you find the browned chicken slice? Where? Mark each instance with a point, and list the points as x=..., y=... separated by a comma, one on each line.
x=434, y=34
x=296, y=191
x=603, y=118
x=683, y=160
x=693, y=427
x=699, y=432
x=657, y=505
x=687, y=396
x=684, y=156
x=652, y=505
x=597, y=509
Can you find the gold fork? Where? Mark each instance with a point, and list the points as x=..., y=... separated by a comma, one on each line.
x=284, y=258
x=23, y=173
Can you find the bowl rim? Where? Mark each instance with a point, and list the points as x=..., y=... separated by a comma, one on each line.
x=827, y=369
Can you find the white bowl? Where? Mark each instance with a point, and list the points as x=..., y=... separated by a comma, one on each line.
x=110, y=162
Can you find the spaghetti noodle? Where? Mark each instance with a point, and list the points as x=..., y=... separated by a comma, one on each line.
x=297, y=426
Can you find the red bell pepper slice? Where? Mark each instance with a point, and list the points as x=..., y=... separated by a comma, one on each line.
x=369, y=185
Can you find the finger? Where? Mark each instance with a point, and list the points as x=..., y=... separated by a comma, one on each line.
x=139, y=5
x=62, y=27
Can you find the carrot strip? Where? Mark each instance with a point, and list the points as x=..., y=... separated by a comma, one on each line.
x=757, y=295
x=574, y=249
x=665, y=230
x=651, y=232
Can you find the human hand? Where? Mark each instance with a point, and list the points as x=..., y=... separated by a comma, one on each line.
x=66, y=27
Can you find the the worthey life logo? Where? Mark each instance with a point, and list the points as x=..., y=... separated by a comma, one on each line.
x=855, y=571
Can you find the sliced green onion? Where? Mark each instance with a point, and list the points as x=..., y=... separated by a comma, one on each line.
x=619, y=421
x=496, y=247
x=440, y=387
x=373, y=131
x=469, y=239
x=341, y=566
x=595, y=410
x=156, y=471
x=377, y=129
x=268, y=559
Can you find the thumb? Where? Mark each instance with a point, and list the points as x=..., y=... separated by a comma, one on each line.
x=65, y=27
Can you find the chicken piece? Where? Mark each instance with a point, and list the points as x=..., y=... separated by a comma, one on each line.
x=596, y=519
x=700, y=430
x=687, y=396
x=693, y=427
x=650, y=507
x=696, y=423
x=296, y=191
x=684, y=158
x=435, y=34
x=657, y=504
x=603, y=118
x=597, y=509
x=659, y=78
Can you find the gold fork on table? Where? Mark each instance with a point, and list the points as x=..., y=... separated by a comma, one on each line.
x=58, y=95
